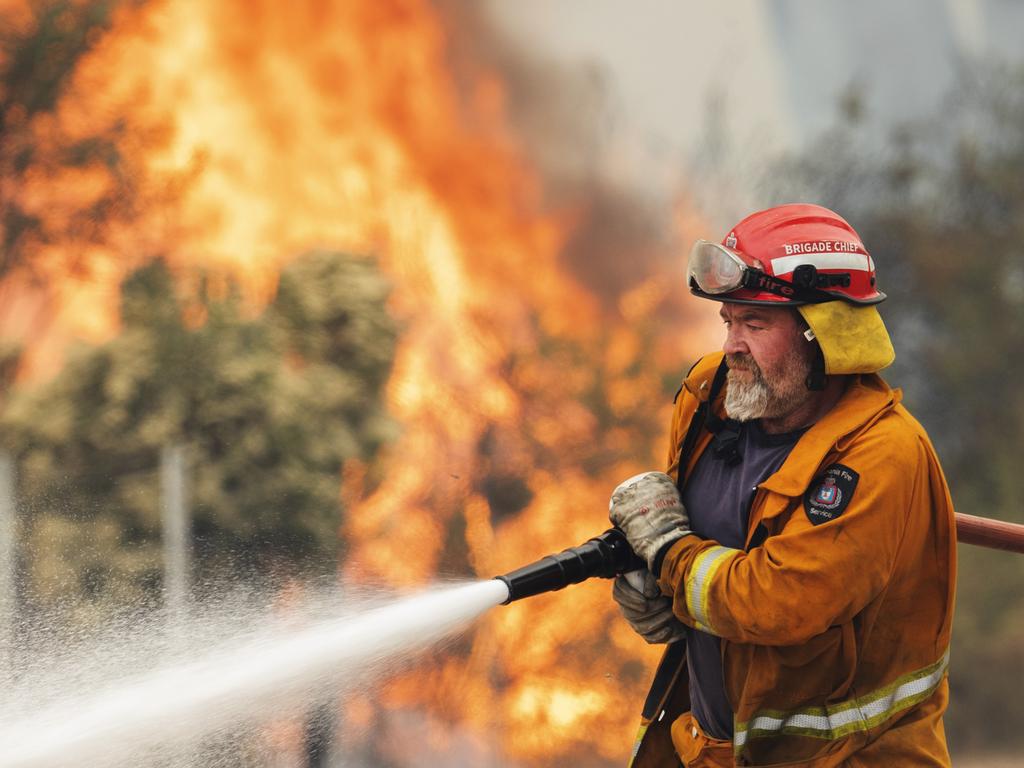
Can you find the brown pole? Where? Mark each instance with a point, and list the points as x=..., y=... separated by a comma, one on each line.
x=985, y=532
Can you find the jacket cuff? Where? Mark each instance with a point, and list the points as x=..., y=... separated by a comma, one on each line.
x=659, y=557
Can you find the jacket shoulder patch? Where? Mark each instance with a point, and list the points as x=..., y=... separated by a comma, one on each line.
x=830, y=493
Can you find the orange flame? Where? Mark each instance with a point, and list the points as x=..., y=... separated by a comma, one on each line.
x=261, y=129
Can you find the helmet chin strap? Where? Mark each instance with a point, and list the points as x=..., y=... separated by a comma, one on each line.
x=815, y=380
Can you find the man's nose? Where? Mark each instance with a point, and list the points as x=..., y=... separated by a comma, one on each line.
x=734, y=344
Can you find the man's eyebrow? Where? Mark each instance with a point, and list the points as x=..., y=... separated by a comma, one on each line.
x=746, y=314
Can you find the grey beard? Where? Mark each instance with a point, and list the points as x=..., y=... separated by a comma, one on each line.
x=746, y=401
x=757, y=398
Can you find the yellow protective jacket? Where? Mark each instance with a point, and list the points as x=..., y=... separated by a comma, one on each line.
x=835, y=618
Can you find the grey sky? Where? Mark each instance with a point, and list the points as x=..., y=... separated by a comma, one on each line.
x=778, y=65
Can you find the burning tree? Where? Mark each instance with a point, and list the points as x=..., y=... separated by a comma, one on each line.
x=522, y=392
x=269, y=408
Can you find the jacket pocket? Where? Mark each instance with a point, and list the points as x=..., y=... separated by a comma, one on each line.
x=783, y=677
x=696, y=748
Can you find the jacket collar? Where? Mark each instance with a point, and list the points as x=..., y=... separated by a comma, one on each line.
x=698, y=380
x=866, y=400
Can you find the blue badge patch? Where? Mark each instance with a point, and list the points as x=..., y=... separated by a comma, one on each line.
x=830, y=493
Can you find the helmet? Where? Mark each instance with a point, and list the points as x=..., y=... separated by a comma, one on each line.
x=790, y=254
x=810, y=258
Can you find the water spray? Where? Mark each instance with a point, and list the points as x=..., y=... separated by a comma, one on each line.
x=604, y=556
x=85, y=710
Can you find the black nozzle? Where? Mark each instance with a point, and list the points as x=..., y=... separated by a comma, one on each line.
x=604, y=556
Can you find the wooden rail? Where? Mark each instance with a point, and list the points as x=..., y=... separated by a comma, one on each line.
x=985, y=532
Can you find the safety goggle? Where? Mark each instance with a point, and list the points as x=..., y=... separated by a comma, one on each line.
x=714, y=270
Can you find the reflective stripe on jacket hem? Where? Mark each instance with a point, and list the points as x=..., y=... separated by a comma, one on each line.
x=699, y=581
x=839, y=720
x=636, y=745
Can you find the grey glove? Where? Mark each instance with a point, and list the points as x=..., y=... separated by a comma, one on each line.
x=649, y=511
x=647, y=610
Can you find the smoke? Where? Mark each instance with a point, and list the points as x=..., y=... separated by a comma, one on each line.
x=569, y=120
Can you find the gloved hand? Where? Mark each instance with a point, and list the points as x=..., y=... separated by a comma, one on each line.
x=649, y=511
x=647, y=610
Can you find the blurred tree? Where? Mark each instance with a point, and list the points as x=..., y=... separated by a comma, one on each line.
x=942, y=210
x=269, y=408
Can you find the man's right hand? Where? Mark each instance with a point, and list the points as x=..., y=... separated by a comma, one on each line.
x=649, y=511
x=647, y=610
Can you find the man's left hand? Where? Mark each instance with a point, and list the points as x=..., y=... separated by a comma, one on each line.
x=648, y=611
x=649, y=511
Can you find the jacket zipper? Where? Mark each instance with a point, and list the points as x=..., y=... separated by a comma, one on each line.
x=751, y=524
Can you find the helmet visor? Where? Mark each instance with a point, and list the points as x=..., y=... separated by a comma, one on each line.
x=714, y=268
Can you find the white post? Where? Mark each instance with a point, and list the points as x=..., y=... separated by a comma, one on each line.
x=175, y=521
x=8, y=563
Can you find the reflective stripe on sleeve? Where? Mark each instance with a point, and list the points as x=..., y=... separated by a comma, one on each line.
x=839, y=720
x=699, y=581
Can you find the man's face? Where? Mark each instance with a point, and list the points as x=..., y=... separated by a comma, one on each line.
x=768, y=359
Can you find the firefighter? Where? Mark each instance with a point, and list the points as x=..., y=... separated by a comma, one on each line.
x=800, y=545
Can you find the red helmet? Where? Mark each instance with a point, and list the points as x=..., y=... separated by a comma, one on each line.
x=790, y=254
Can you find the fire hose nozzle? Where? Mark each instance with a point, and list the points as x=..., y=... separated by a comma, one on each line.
x=604, y=556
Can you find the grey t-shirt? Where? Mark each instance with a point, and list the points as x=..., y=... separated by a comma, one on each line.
x=717, y=498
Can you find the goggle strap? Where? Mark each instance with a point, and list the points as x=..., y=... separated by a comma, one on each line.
x=756, y=280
